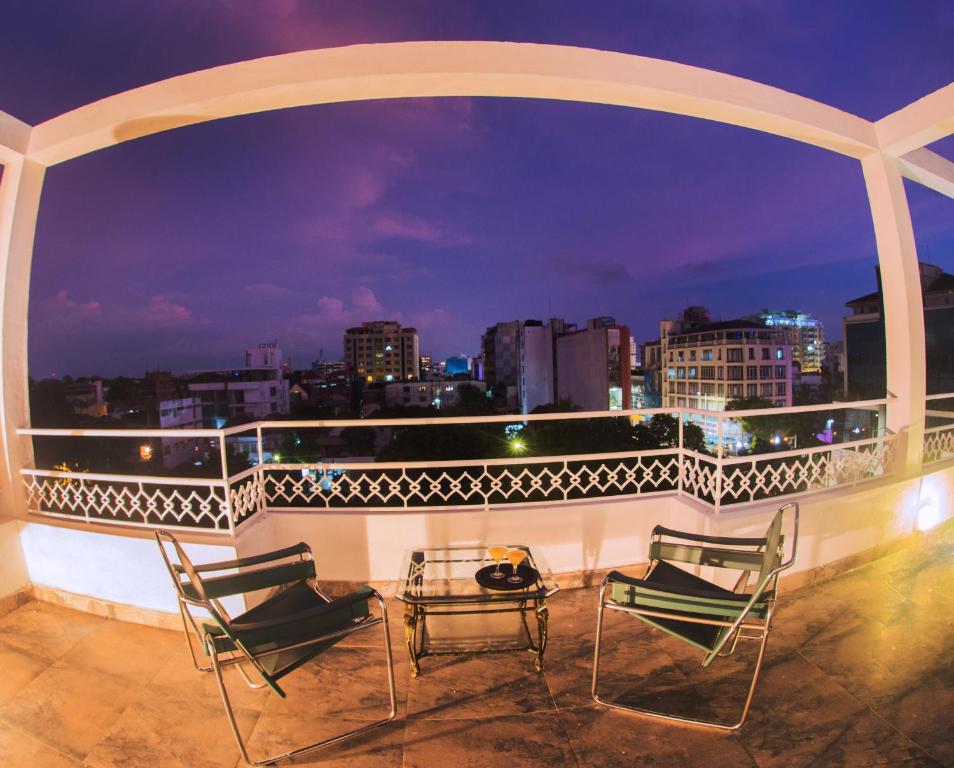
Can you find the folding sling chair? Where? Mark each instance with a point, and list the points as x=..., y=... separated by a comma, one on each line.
x=278, y=635
x=698, y=612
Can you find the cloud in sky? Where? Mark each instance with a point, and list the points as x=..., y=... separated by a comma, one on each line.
x=61, y=303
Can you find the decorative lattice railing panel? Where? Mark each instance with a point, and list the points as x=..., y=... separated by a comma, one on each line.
x=170, y=503
x=468, y=485
x=765, y=477
x=938, y=444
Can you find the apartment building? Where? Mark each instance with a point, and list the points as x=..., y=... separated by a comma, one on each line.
x=382, y=351
x=707, y=364
x=807, y=336
x=593, y=365
x=252, y=392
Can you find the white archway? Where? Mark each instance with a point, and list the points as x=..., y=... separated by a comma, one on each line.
x=476, y=68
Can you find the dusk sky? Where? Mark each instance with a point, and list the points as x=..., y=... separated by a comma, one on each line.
x=180, y=250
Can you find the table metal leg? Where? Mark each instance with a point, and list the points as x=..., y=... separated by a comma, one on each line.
x=543, y=618
x=410, y=634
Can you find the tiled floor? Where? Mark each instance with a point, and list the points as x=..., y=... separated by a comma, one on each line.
x=860, y=671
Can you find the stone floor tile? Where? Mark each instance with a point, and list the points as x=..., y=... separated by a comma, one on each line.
x=923, y=712
x=17, y=669
x=797, y=713
x=69, y=709
x=21, y=749
x=46, y=630
x=604, y=738
x=382, y=747
x=527, y=741
x=453, y=687
x=132, y=651
x=870, y=741
x=628, y=666
x=346, y=683
x=172, y=735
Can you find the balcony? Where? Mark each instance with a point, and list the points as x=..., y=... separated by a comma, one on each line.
x=859, y=671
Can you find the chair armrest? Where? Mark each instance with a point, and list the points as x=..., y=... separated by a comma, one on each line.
x=252, y=581
x=727, y=540
x=266, y=557
x=363, y=594
x=715, y=593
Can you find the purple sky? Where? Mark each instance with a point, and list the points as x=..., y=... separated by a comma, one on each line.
x=180, y=250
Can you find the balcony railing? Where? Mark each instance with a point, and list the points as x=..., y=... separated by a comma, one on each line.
x=221, y=504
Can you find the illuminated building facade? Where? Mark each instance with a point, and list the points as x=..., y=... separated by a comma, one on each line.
x=807, y=335
x=382, y=351
x=706, y=364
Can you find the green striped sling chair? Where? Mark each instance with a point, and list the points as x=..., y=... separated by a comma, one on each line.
x=291, y=626
x=698, y=612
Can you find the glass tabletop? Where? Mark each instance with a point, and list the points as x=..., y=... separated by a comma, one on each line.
x=446, y=575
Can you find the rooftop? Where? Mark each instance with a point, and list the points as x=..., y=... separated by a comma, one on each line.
x=858, y=672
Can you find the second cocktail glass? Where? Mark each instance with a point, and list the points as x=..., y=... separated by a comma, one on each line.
x=515, y=557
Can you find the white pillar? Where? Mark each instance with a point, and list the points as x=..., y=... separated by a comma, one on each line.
x=903, y=306
x=20, y=190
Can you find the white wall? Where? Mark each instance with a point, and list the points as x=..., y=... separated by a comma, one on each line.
x=120, y=568
x=13, y=569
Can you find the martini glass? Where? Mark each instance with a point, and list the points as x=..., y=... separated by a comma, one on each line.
x=497, y=554
x=515, y=557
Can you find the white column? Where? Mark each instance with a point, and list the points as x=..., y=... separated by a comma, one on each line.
x=20, y=190
x=903, y=306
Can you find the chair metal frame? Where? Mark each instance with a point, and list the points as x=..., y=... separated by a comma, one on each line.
x=190, y=594
x=752, y=622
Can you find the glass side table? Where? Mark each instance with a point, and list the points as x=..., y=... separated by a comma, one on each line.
x=439, y=581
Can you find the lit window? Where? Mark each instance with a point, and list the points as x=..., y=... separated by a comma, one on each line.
x=779, y=353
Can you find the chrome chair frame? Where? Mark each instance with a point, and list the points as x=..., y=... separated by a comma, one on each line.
x=761, y=600
x=242, y=655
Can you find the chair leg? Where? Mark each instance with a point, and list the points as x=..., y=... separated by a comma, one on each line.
x=663, y=715
x=186, y=620
x=392, y=712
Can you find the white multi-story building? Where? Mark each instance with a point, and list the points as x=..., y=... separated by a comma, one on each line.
x=592, y=366
x=707, y=364
x=253, y=392
x=537, y=368
x=423, y=394
x=184, y=413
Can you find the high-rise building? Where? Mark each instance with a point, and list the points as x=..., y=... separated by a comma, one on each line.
x=537, y=369
x=382, y=351
x=807, y=336
x=500, y=347
x=865, y=374
x=706, y=364
x=592, y=366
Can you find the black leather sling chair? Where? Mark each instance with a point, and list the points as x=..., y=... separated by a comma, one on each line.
x=294, y=623
x=698, y=612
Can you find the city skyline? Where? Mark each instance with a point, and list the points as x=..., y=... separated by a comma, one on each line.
x=450, y=215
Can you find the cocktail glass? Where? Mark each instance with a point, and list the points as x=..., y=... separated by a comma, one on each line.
x=515, y=557
x=497, y=554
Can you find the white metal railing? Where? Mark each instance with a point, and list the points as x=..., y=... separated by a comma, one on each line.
x=220, y=504
x=939, y=440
